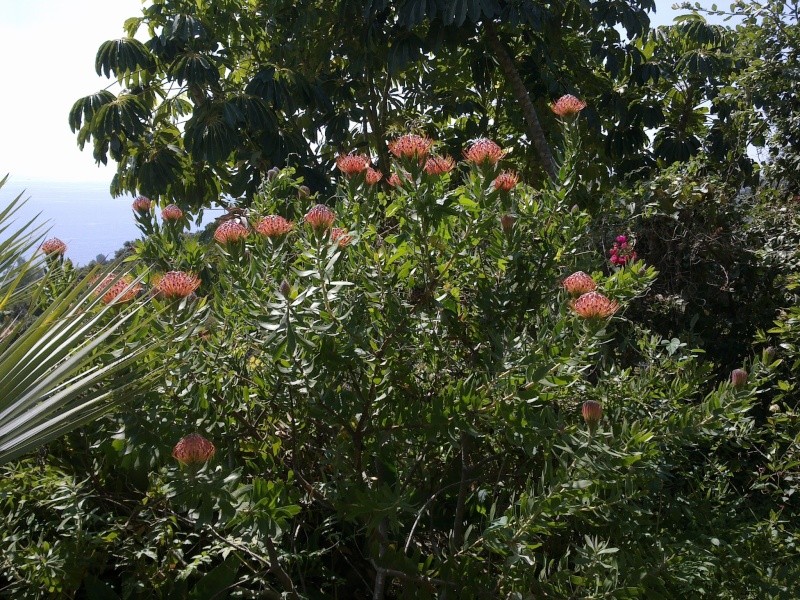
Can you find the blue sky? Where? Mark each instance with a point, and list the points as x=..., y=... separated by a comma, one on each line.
x=47, y=50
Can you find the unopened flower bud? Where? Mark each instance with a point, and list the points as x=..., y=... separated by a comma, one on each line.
x=769, y=355
x=592, y=412
x=272, y=173
x=303, y=192
x=738, y=378
x=285, y=289
x=507, y=223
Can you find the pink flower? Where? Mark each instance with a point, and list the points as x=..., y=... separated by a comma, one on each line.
x=579, y=283
x=142, y=204
x=439, y=165
x=373, y=176
x=506, y=181
x=337, y=233
x=484, y=152
x=120, y=289
x=352, y=164
x=411, y=146
x=738, y=378
x=568, y=106
x=592, y=412
x=622, y=251
x=53, y=247
x=394, y=180
x=193, y=449
x=231, y=232
x=320, y=217
x=594, y=305
x=274, y=226
x=176, y=284
x=172, y=213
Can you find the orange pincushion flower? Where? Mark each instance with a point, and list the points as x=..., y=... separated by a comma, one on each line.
x=484, y=152
x=352, y=164
x=53, y=247
x=177, y=284
x=193, y=449
x=594, y=305
x=579, y=283
x=274, y=226
x=320, y=217
x=231, y=232
x=120, y=289
x=142, y=204
x=506, y=181
x=341, y=235
x=411, y=146
x=172, y=213
x=568, y=106
x=373, y=176
x=439, y=165
x=394, y=180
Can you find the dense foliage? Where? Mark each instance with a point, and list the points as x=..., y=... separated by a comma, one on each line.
x=561, y=366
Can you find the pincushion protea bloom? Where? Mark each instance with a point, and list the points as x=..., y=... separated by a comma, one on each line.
x=320, y=217
x=439, y=165
x=274, y=226
x=172, y=213
x=120, y=289
x=352, y=164
x=341, y=235
x=53, y=247
x=738, y=378
x=567, y=106
x=176, y=284
x=394, y=180
x=231, y=232
x=142, y=204
x=484, y=152
x=373, y=176
x=411, y=146
x=193, y=449
x=594, y=305
x=592, y=412
x=506, y=181
x=579, y=283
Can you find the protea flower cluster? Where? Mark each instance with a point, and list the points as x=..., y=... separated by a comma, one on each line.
x=738, y=378
x=320, y=217
x=176, y=284
x=568, y=106
x=142, y=205
x=622, y=251
x=592, y=412
x=341, y=236
x=352, y=164
x=231, y=232
x=579, y=283
x=506, y=181
x=193, y=450
x=594, y=305
x=53, y=247
x=118, y=290
x=274, y=226
x=411, y=146
x=372, y=176
x=439, y=165
x=172, y=213
x=484, y=152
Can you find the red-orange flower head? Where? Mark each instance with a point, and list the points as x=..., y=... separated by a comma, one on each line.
x=53, y=247
x=568, y=106
x=738, y=378
x=120, y=289
x=274, y=226
x=352, y=164
x=373, y=176
x=579, y=283
x=142, y=204
x=172, y=213
x=177, y=284
x=341, y=235
x=439, y=165
x=193, y=449
x=411, y=146
x=231, y=232
x=320, y=217
x=506, y=181
x=484, y=152
x=592, y=412
x=594, y=305
x=394, y=180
